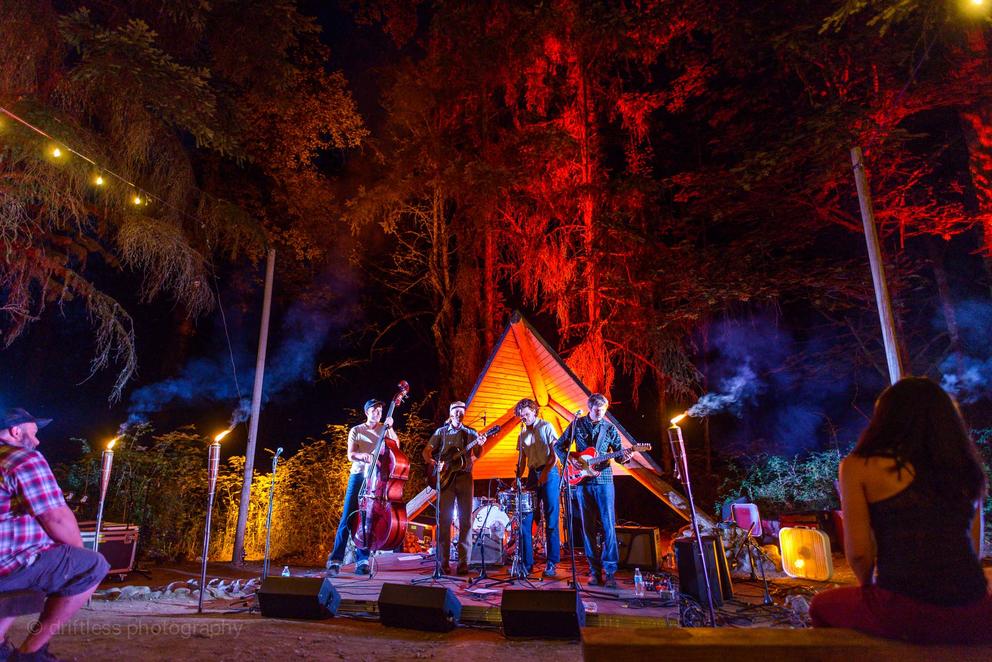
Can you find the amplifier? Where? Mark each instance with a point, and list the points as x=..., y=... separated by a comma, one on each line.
x=118, y=544
x=640, y=547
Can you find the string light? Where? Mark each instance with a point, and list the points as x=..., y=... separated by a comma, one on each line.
x=60, y=150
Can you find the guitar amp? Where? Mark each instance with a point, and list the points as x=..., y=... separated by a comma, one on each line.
x=640, y=547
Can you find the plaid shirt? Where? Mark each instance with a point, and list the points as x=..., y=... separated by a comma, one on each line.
x=27, y=490
x=602, y=435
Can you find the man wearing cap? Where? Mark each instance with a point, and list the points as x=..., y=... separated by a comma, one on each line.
x=40, y=545
x=361, y=443
x=450, y=438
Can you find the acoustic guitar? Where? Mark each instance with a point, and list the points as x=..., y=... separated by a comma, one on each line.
x=453, y=460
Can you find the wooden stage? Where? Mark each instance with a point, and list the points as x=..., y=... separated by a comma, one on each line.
x=481, y=602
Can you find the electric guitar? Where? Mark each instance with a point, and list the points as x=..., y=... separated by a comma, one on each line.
x=453, y=460
x=582, y=465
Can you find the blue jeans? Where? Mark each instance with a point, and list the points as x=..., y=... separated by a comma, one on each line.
x=344, y=531
x=548, y=499
x=596, y=510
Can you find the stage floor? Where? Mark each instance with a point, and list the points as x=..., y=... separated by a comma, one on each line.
x=481, y=600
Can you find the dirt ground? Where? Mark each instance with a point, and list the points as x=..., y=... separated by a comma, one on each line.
x=170, y=629
x=122, y=634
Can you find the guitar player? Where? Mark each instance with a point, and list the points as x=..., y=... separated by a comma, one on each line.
x=595, y=495
x=536, y=450
x=453, y=436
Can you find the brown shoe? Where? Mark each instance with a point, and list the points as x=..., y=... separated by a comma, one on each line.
x=462, y=569
x=596, y=579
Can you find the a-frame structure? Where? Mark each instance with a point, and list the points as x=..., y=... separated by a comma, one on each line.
x=523, y=365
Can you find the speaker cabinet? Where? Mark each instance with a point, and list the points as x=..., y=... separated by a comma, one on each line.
x=298, y=597
x=691, y=579
x=556, y=614
x=432, y=608
x=640, y=547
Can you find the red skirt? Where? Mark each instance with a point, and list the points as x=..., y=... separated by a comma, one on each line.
x=876, y=611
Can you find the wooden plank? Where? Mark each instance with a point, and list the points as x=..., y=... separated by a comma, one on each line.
x=760, y=645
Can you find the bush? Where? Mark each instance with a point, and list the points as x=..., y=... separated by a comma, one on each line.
x=779, y=484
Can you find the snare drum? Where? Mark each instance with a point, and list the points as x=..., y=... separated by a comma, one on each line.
x=508, y=500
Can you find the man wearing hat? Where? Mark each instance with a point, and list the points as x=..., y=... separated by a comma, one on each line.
x=40, y=545
x=449, y=438
x=361, y=443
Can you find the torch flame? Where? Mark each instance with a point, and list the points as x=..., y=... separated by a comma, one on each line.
x=222, y=435
x=110, y=444
x=675, y=421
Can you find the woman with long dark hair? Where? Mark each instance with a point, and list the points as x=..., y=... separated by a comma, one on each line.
x=911, y=492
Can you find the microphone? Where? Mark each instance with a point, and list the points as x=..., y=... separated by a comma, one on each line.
x=279, y=451
x=578, y=412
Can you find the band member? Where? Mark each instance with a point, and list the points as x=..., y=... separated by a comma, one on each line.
x=595, y=495
x=536, y=449
x=452, y=437
x=361, y=443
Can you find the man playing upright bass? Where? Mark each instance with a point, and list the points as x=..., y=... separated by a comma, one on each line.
x=446, y=441
x=536, y=449
x=361, y=443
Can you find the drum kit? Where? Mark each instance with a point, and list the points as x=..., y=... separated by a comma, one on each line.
x=496, y=519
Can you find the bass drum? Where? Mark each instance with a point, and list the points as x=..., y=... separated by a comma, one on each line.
x=489, y=519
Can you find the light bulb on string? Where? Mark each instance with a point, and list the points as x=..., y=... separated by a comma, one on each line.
x=137, y=199
x=99, y=180
x=56, y=152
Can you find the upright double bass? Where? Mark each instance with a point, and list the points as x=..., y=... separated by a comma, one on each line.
x=381, y=518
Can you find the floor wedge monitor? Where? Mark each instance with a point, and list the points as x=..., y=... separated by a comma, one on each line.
x=431, y=608
x=555, y=614
x=298, y=597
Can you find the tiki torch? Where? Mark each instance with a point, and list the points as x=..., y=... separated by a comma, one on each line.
x=681, y=465
x=213, y=462
x=108, y=463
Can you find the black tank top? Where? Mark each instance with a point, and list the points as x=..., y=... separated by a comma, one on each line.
x=924, y=548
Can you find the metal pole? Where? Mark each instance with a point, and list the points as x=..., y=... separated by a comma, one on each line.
x=106, y=465
x=256, y=403
x=885, y=315
x=213, y=462
x=678, y=447
x=268, y=517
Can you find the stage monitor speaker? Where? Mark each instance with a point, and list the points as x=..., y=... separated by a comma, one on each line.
x=640, y=547
x=690, y=567
x=298, y=597
x=554, y=614
x=432, y=608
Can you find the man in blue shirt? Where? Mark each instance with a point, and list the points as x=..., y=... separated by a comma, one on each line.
x=595, y=494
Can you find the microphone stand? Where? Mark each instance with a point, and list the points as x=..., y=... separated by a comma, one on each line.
x=574, y=583
x=268, y=517
x=682, y=474
x=437, y=576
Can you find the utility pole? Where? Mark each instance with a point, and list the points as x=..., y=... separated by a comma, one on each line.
x=256, y=405
x=882, y=300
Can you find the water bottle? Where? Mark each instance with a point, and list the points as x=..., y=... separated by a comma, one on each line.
x=638, y=583
x=285, y=571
